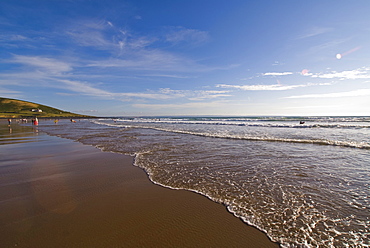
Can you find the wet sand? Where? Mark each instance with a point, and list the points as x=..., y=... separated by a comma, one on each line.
x=58, y=193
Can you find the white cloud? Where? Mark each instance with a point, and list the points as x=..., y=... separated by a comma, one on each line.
x=353, y=93
x=263, y=87
x=361, y=73
x=277, y=73
x=270, y=87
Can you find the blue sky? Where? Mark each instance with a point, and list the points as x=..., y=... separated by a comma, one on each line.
x=143, y=57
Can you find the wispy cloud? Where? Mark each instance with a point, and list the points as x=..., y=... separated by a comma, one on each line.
x=110, y=24
x=133, y=52
x=9, y=93
x=210, y=94
x=12, y=37
x=84, y=88
x=161, y=94
x=168, y=76
x=53, y=73
x=353, y=93
x=90, y=34
x=327, y=45
x=136, y=51
x=193, y=95
x=47, y=64
x=190, y=105
x=156, y=60
x=278, y=63
x=104, y=35
x=314, y=31
x=13, y=40
x=120, y=47
x=151, y=60
x=184, y=35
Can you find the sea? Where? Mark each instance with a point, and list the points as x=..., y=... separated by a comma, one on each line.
x=304, y=181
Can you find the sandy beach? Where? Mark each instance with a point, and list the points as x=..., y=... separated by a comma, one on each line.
x=56, y=192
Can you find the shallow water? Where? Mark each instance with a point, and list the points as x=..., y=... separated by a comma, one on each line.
x=305, y=185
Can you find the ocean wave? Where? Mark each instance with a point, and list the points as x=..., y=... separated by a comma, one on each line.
x=252, y=123
x=327, y=142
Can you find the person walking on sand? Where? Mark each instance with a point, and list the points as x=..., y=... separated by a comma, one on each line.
x=9, y=122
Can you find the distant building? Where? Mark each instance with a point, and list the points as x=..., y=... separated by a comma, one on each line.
x=36, y=110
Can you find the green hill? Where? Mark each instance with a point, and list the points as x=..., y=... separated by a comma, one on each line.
x=12, y=108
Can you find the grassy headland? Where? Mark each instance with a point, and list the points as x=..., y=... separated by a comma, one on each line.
x=12, y=108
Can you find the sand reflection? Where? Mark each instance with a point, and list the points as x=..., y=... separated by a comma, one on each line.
x=50, y=186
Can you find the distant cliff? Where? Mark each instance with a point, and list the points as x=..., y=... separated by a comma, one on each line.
x=12, y=108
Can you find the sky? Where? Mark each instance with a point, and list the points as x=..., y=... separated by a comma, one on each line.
x=188, y=57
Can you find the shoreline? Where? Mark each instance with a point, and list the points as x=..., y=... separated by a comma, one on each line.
x=58, y=192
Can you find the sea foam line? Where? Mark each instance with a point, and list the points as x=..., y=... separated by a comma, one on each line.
x=227, y=204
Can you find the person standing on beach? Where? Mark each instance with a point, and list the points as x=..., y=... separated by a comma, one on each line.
x=9, y=122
